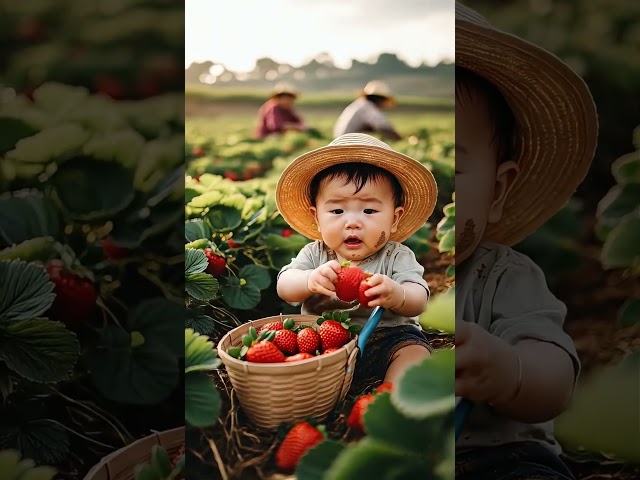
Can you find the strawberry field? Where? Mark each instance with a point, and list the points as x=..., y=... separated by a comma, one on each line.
x=236, y=242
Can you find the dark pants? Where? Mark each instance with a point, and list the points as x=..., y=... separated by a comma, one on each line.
x=513, y=461
x=381, y=346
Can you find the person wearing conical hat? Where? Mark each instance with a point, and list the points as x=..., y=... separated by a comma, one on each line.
x=526, y=129
x=277, y=115
x=357, y=200
x=365, y=113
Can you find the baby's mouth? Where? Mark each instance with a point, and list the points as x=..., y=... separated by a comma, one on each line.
x=353, y=241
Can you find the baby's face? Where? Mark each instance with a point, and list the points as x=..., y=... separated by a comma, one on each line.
x=481, y=184
x=356, y=225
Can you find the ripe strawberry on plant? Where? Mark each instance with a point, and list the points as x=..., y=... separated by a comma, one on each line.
x=300, y=438
x=198, y=151
x=385, y=387
x=308, y=340
x=333, y=334
x=217, y=263
x=355, y=418
x=112, y=251
x=349, y=280
x=286, y=232
x=75, y=296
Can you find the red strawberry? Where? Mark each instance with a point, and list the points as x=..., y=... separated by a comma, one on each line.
x=333, y=334
x=217, y=263
x=247, y=176
x=363, y=300
x=75, y=296
x=175, y=457
x=348, y=283
x=385, y=387
x=286, y=232
x=308, y=340
x=232, y=244
x=357, y=412
x=264, y=352
x=300, y=438
x=331, y=350
x=198, y=151
x=273, y=326
x=287, y=341
x=110, y=86
x=298, y=356
x=231, y=175
x=112, y=251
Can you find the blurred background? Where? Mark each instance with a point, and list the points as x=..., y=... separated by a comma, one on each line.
x=591, y=249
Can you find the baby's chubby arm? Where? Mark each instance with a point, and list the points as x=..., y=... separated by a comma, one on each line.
x=297, y=285
x=487, y=371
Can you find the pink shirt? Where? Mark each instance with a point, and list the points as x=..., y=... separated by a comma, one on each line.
x=272, y=118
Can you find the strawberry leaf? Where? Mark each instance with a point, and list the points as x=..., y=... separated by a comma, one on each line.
x=355, y=329
x=196, y=230
x=318, y=459
x=42, y=440
x=242, y=297
x=202, y=400
x=223, y=218
x=199, y=352
x=195, y=261
x=201, y=286
x=27, y=215
x=15, y=469
x=26, y=290
x=13, y=130
x=256, y=276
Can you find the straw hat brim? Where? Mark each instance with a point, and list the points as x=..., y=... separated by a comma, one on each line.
x=418, y=184
x=556, y=124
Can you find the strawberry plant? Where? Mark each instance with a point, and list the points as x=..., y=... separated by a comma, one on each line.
x=15, y=468
x=446, y=232
x=618, y=225
x=162, y=466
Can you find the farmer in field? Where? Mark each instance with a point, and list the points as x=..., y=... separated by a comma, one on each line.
x=277, y=114
x=365, y=113
x=526, y=131
x=358, y=199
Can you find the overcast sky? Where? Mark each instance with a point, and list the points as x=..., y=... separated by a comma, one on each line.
x=236, y=33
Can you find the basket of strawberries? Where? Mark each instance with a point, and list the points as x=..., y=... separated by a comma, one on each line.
x=285, y=368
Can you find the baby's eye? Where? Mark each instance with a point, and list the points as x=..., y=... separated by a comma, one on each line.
x=337, y=211
x=369, y=211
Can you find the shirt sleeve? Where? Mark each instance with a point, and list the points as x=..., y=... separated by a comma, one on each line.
x=405, y=268
x=524, y=308
x=377, y=120
x=307, y=259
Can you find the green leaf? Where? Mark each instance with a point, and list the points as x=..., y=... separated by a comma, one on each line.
x=243, y=297
x=448, y=241
x=146, y=222
x=196, y=230
x=160, y=460
x=41, y=440
x=626, y=169
x=450, y=271
x=141, y=376
x=199, y=352
x=372, y=459
x=222, y=218
x=198, y=244
x=201, y=286
x=36, y=249
x=195, y=261
x=383, y=422
x=38, y=349
x=621, y=200
x=13, y=468
x=622, y=247
x=199, y=322
x=440, y=314
x=444, y=225
x=202, y=400
x=90, y=190
x=427, y=388
x=146, y=472
x=160, y=321
x=449, y=210
x=25, y=290
x=12, y=130
x=629, y=313
x=26, y=215
x=294, y=243
x=257, y=276
x=318, y=459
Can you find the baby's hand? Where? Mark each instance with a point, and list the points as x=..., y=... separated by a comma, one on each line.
x=384, y=292
x=486, y=366
x=322, y=279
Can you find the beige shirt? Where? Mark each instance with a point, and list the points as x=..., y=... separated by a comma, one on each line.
x=394, y=260
x=506, y=293
x=361, y=116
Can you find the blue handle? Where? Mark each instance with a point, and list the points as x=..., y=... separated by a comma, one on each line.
x=463, y=409
x=369, y=326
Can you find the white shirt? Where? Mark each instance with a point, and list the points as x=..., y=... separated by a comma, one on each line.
x=361, y=116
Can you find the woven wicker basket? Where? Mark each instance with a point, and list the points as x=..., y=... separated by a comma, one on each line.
x=273, y=393
x=120, y=465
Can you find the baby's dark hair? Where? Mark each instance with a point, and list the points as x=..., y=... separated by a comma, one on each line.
x=504, y=123
x=359, y=174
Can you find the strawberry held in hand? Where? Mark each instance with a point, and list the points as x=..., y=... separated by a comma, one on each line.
x=363, y=300
x=300, y=438
x=75, y=296
x=349, y=280
x=217, y=263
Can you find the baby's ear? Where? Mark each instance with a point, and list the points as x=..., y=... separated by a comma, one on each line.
x=397, y=215
x=506, y=175
x=314, y=213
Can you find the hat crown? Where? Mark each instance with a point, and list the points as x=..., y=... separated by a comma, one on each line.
x=466, y=14
x=377, y=87
x=359, y=139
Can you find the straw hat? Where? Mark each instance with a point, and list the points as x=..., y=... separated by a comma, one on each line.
x=418, y=184
x=284, y=87
x=556, y=121
x=377, y=87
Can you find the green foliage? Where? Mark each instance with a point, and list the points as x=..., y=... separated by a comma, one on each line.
x=15, y=468
x=160, y=467
x=202, y=400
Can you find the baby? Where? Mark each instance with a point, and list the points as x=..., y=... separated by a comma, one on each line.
x=358, y=200
x=525, y=136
